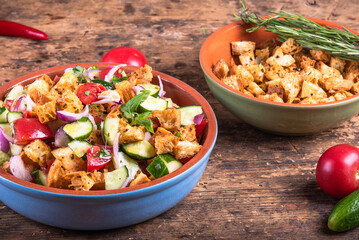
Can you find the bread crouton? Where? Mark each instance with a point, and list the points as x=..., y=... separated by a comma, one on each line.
x=244, y=76
x=290, y=46
x=188, y=133
x=337, y=63
x=245, y=91
x=327, y=100
x=95, y=138
x=125, y=90
x=38, y=151
x=262, y=55
x=142, y=75
x=352, y=75
x=335, y=83
x=319, y=55
x=272, y=97
x=165, y=143
x=276, y=89
x=291, y=84
x=139, y=179
x=241, y=47
x=69, y=102
x=274, y=72
x=68, y=81
x=309, y=100
x=98, y=111
x=46, y=112
x=327, y=71
x=81, y=181
x=355, y=88
x=233, y=82
x=70, y=161
x=99, y=178
x=257, y=71
x=311, y=74
x=6, y=167
x=169, y=119
x=37, y=89
x=221, y=69
x=186, y=149
x=132, y=134
x=312, y=90
x=159, y=131
x=247, y=58
x=281, y=59
x=340, y=96
x=57, y=176
x=255, y=89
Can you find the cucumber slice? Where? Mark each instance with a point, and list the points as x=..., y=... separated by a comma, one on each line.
x=116, y=178
x=15, y=92
x=40, y=177
x=154, y=89
x=3, y=114
x=79, y=130
x=169, y=102
x=141, y=150
x=163, y=165
x=4, y=157
x=110, y=129
x=151, y=104
x=15, y=149
x=12, y=116
x=6, y=127
x=79, y=147
x=188, y=113
x=132, y=165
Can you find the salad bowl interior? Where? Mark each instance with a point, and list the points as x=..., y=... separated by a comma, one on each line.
x=159, y=194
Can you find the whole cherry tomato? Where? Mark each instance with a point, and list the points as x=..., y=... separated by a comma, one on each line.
x=125, y=55
x=88, y=92
x=97, y=158
x=337, y=170
x=28, y=129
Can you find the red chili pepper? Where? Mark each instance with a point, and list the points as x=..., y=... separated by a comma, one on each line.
x=8, y=28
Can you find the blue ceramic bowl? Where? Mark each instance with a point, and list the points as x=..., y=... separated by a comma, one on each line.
x=107, y=209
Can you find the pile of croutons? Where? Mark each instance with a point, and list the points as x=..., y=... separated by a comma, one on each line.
x=288, y=73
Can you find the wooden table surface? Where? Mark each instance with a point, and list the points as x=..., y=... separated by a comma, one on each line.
x=256, y=185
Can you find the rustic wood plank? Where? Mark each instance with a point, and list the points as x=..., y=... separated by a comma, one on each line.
x=262, y=187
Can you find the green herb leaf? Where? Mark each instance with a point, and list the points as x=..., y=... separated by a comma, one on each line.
x=177, y=134
x=143, y=122
x=94, y=105
x=103, y=153
x=94, y=67
x=107, y=85
x=78, y=70
x=87, y=93
x=130, y=107
x=204, y=31
x=116, y=79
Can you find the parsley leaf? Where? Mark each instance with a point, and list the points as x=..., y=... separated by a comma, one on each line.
x=130, y=107
x=87, y=93
x=140, y=120
x=94, y=67
x=116, y=79
x=78, y=70
x=103, y=153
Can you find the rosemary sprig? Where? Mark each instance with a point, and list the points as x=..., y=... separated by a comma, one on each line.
x=339, y=42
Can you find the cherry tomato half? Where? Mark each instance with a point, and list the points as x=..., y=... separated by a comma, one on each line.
x=96, y=161
x=337, y=170
x=200, y=127
x=28, y=129
x=88, y=92
x=125, y=55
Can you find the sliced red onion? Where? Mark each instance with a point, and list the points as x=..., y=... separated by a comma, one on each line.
x=8, y=103
x=4, y=143
x=92, y=74
x=127, y=182
x=72, y=117
x=17, y=103
x=147, y=136
x=116, y=150
x=61, y=139
x=18, y=169
x=9, y=138
x=103, y=136
x=161, y=93
x=29, y=103
x=93, y=122
x=138, y=89
x=108, y=97
x=113, y=106
x=109, y=75
x=198, y=118
x=68, y=69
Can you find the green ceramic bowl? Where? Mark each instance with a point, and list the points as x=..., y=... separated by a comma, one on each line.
x=277, y=118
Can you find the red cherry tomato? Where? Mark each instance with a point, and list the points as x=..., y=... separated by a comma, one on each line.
x=88, y=92
x=200, y=127
x=185, y=160
x=104, y=72
x=94, y=159
x=337, y=170
x=29, y=114
x=28, y=129
x=56, y=79
x=125, y=55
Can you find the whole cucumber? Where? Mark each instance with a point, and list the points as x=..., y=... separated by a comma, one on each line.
x=345, y=214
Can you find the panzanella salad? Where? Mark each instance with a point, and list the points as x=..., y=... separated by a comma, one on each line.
x=94, y=130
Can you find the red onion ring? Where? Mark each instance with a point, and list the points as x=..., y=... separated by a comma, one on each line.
x=198, y=118
x=4, y=143
x=138, y=89
x=112, y=97
x=116, y=150
x=9, y=138
x=72, y=117
x=109, y=75
x=18, y=169
x=92, y=121
x=161, y=93
x=147, y=136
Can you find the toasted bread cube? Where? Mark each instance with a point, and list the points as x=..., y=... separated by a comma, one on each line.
x=125, y=90
x=6, y=167
x=257, y=72
x=57, y=176
x=169, y=119
x=70, y=161
x=276, y=89
x=159, y=131
x=310, y=90
x=291, y=47
x=291, y=85
x=38, y=151
x=281, y=59
x=81, y=181
x=46, y=112
x=327, y=100
x=165, y=143
x=262, y=55
x=306, y=62
x=233, y=81
x=221, y=69
x=355, y=88
x=311, y=74
x=255, y=89
x=186, y=149
x=337, y=63
x=247, y=58
x=140, y=178
x=244, y=77
x=351, y=66
x=352, y=75
x=37, y=89
x=309, y=100
x=274, y=72
x=336, y=84
x=69, y=102
x=239, y=48
x=327, y=71
x=340, y=96
x=68, y=81
x=133, y=134
x=272, y=97
x=95, y=138
x=188, y=133
x=247, y=92
x=319, y=55
x=142, y=75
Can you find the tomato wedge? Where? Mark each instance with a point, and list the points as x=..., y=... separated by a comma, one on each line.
x=88, y=92
x=97, y=158
x=200, y=127
x=29, y=114
x=29, y=129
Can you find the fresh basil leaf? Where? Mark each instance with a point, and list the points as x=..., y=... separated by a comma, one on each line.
x=116, y=79
x=107, y=85
x=143, y=122
x=78, y=70
x=130, y=107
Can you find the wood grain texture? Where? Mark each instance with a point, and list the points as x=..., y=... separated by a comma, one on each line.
x=256, y=185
